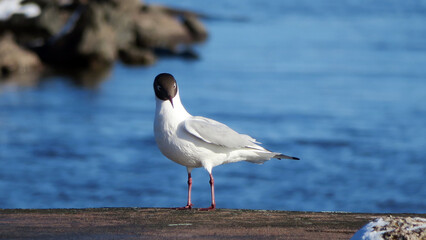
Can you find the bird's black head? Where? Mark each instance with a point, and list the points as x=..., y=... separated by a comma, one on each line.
x=165, y=87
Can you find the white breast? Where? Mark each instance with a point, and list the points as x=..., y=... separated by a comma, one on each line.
x=171, y=138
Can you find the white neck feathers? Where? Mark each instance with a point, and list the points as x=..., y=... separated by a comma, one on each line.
x=175, y=113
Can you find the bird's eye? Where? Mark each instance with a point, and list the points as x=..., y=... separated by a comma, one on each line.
x=158, y=87
x=174, y=85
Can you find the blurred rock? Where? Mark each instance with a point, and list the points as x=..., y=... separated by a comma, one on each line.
x=137, y=55
x=92, y=34
x=195, y=27
x=102, y=28
x=29, y=31
x=156, y=28
x=15, y=59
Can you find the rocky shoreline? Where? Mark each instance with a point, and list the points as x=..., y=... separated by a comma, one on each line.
x=93, y=34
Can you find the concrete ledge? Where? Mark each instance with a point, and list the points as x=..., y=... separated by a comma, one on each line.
x=162, y=223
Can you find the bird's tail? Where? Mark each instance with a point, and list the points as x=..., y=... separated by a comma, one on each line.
x=282, y=156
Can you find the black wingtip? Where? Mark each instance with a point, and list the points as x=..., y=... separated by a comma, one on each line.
x=282, y=156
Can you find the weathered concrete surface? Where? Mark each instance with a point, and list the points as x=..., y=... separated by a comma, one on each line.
x=154, y=223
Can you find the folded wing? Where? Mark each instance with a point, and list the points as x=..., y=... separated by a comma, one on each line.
x=214, y=132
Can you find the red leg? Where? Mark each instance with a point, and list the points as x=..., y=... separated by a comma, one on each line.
x=213, y=206
x=189, y=204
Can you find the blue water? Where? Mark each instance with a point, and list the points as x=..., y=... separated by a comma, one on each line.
x=340, y=84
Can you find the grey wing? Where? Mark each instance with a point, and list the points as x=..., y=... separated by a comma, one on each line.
x=214, y=132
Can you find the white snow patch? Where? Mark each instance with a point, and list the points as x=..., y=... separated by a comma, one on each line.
x=420, y=226
x=10, y=7
x=368, y=232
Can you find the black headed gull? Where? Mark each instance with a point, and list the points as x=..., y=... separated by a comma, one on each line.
x=194, y=141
